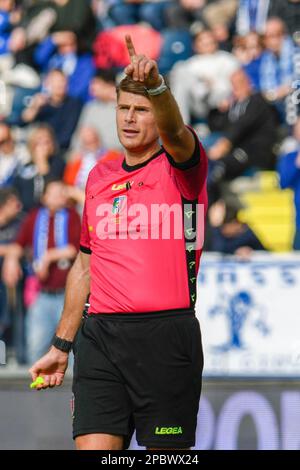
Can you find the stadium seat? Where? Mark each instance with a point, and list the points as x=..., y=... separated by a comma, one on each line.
x=177, y=45
x=269, y=211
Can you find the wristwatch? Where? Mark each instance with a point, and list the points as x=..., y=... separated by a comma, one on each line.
x=62, y=344
x=158, y=90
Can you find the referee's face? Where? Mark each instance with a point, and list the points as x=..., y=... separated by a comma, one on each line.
x=136, y=125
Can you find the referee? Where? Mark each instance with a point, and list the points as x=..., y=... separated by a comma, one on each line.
x=138, y=353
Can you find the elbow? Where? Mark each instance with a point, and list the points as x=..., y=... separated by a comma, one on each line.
x=179, y=136
x=176, y=135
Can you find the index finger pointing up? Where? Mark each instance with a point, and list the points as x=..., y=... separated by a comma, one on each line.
x=130, y=46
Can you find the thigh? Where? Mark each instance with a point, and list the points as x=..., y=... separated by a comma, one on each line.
x=101, y=404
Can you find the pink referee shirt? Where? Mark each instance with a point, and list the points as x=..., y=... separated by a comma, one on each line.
x=144, y=257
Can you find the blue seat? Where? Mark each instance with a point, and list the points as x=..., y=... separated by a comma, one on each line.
x=177, y=45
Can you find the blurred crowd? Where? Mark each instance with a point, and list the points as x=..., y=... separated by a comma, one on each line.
x=234, y=68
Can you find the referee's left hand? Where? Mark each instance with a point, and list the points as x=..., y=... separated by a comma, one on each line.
x=141, y=68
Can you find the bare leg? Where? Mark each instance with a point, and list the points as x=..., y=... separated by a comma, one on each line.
x=99, y=442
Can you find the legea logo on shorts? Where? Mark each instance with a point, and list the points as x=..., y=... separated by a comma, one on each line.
x=175, y=430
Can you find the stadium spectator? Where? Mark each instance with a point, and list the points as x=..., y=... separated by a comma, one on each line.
x=100, y=10
x=56, y=108
x=18, y=77
x=289, y=12
x=228, y=234
x=132, y=12
x=248, y=50
x=76, y=16
x=183, y=13
x=8, y=18
x=202, y=82
x=12, y=311
x=219, y=16
x=99, y=113
x=249, y=134
x=289, y=172
x=43, y=18
x=90, y=151
x=277, y=67
x=52, y=233
x=252, y=15
x=60, y=51
x=36, y=22
x=12, y=155
x=187, y=13
x=291, y=142
x=45, y=162
x=11, y=216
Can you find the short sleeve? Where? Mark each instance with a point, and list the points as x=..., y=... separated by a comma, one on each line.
x=190, y=176
x=85, y=234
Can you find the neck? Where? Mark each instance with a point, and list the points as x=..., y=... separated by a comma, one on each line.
x=244, y=96
x=133, y=157
x=52, y=211
x=56, y=99
x=8, y=149
x=42, y=166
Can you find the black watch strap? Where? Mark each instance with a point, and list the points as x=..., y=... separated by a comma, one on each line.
x=62, y=344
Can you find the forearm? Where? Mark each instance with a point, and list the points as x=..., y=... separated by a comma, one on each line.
x=3, y=250
x=221, y=148
x=167, y=115
x=77, y=290
x=14, y=250
x=11, y=269
x=55, y=254
x=175, y=136
x=30, y=114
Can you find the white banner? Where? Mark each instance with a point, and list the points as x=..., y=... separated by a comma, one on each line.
x=249, y=314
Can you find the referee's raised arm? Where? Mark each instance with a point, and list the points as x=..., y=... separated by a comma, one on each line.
x=176, y=138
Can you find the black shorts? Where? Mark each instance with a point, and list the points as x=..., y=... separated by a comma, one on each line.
x=139, y=372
